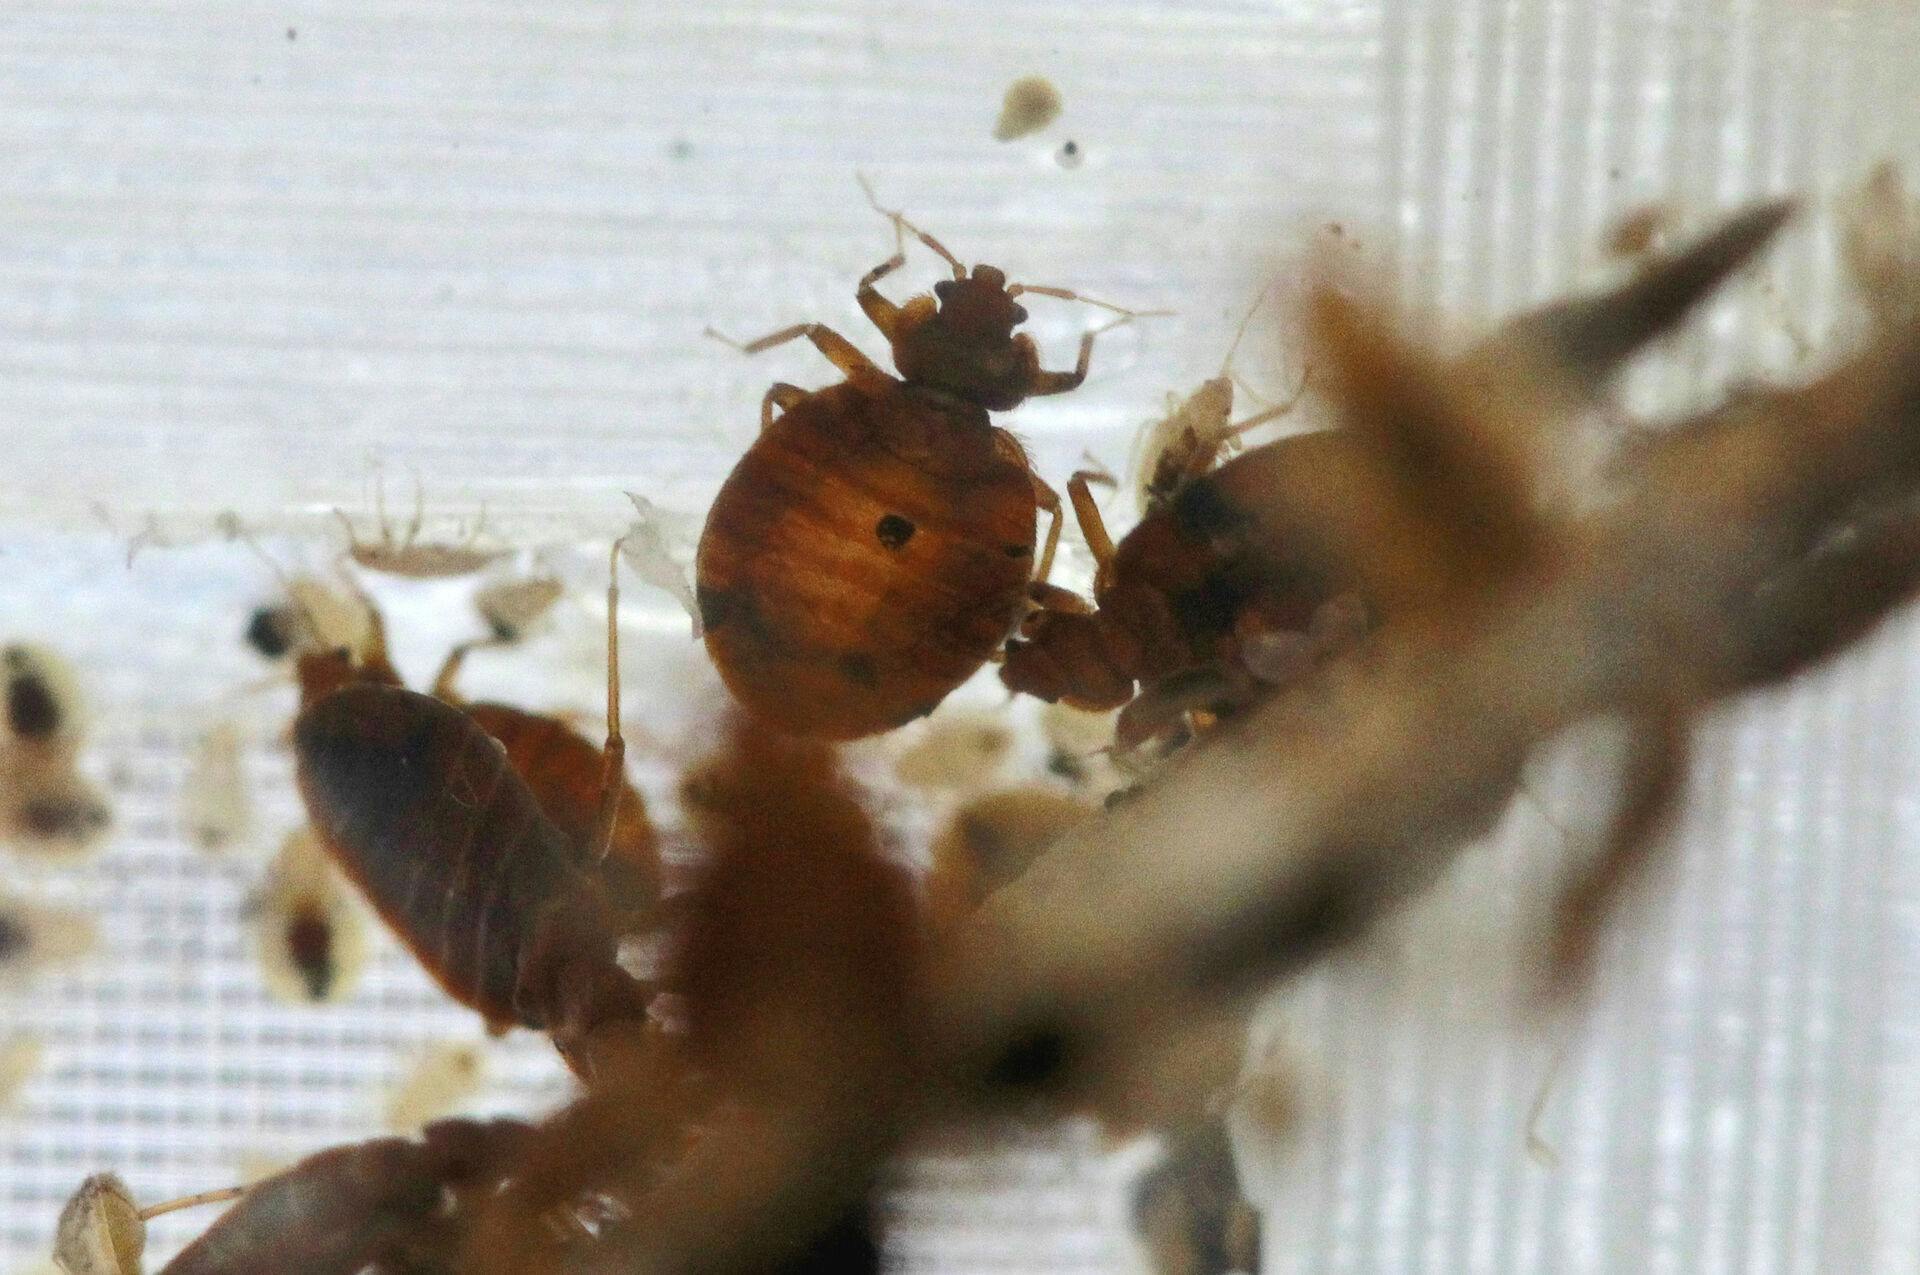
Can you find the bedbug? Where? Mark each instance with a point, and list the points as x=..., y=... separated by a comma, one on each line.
x=1199, y=428
x=46, y=804
x=42, y=702
x=409, y=556
x=310, y=936
x=483, y=853
x=874, y=547
x=1245, y=576
x=1199, y=599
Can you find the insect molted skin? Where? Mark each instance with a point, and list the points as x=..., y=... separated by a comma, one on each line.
x=874, y=547
x=41, y=704
x=310, y=937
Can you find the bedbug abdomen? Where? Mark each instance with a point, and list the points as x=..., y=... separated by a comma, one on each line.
x=563, y=768
x=420, y=807
x=865, y=557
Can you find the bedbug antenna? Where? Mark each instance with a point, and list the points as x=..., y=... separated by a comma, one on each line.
x=1068, y=294
x=902, y=227
x=1260, y=299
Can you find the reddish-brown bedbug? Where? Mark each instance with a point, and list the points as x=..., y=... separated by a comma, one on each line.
x=874, y=547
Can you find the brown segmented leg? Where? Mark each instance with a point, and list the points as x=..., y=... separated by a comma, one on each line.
x=450, y=669
x=839, y=351
x=1042, y=382
x=884, y=313
x=1093, y=528
x=614, y=757
x=1048, y=499
x=901, y=226
x=780, y=395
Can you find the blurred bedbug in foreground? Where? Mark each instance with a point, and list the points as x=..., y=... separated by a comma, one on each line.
x=874, y=547
x=1241, y=578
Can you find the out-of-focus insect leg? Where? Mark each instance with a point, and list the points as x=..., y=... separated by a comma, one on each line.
x=450, y=669
x=1656, y=772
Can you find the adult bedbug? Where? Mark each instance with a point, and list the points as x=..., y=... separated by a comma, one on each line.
x=480, y=833
x=1243, y=577
x=874, y=547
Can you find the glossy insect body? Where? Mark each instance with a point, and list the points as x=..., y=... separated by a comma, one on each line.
x=873, y=548
x=422, y=809
x=564, y=770
x=478, y=833
x=868, y=553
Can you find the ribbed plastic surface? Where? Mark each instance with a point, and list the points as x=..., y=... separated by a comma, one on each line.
x=256, y=255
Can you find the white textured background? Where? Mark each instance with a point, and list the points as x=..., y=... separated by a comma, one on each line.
x=252, y=255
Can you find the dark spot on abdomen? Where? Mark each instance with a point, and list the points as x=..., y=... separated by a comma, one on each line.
x=270, y=631
x=894, y=531
x=74, y=818
x=717, y=606
x=860, y=669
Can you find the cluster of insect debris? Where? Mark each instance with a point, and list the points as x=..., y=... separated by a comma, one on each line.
x=766, y=1015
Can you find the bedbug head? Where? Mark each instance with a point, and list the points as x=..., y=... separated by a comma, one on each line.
x=979, y=307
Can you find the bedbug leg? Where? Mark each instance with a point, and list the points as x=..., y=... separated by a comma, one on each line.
x=901, y=228
x=614, y=758
x=839, y=351
x=1048, y=499
x=781, y=395
x=1042, y=382
x=450, y=668
x=1093, y=528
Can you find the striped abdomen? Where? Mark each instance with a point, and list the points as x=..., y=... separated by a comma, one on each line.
x=867, y=554
x=420, y=807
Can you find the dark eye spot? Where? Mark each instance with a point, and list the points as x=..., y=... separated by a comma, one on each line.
x=1017, y=551
x=1019, y=315
x=894, y=530
x=943, y=289
x=32, y=712
x=860, y=669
